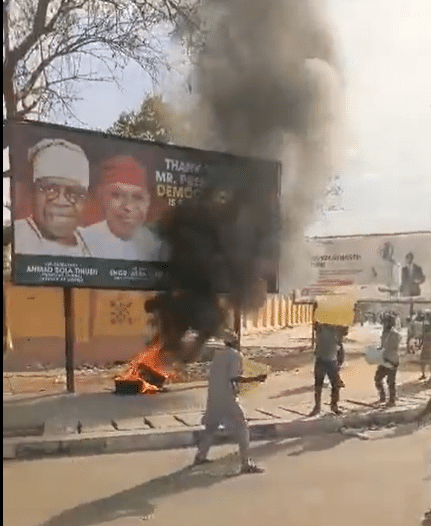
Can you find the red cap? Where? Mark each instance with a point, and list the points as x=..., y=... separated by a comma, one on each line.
x=124, y=170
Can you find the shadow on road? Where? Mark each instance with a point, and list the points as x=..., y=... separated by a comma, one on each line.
x=140, y=501
x=294, y=391
x=320, y=443
x=413, y=387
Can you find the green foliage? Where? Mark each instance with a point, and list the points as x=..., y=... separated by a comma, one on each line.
x=150, y=122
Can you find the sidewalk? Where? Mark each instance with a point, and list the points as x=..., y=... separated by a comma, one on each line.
x=60, y=413
x=275, y=409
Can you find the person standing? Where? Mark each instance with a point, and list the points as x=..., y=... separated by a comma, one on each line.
x=390, y=342
x=223, y=408
x=61, y=178
x=341, y=354
x=425, y=358
x=327, y=364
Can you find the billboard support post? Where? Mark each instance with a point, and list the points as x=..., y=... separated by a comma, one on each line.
x=69, y=339
x=237, y=322
x=313, y=321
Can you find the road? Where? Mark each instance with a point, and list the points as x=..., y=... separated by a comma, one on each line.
x=316, y=481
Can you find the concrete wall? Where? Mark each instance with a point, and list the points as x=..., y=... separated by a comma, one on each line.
x=109, y=325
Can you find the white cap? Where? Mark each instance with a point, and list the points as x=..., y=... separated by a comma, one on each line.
x=59, y=158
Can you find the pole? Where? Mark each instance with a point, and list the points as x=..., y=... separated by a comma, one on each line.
x=70, y=338
x=313, y=320
x=237, y=322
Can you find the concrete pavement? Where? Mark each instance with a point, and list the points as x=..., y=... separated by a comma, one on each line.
x=314, y=481
x=273, y=411
x=276, y=408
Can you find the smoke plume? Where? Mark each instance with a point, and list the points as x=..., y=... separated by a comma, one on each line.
x=268, y=86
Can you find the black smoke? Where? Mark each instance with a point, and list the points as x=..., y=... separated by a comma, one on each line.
x=216, y=242
x=267, y=83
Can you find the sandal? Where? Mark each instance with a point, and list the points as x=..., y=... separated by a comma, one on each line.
x=251, y=468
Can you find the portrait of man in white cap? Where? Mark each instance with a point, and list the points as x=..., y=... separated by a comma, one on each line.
x=61, y=178
x=125, y=199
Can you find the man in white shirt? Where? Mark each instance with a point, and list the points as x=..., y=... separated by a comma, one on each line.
x=387, y=273
x=61, y=177
x=125, y=199
x=223, y=408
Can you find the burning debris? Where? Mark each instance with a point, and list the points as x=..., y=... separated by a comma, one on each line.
x=147, y=372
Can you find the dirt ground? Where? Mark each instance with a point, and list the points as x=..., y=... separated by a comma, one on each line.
x=283, y=349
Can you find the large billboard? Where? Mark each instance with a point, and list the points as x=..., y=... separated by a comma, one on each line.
x=85, y=205
x=394, y=266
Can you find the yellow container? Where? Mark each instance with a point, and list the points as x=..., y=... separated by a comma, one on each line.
x=338, y=309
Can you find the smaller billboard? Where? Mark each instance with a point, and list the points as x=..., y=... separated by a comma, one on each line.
x=377, y=266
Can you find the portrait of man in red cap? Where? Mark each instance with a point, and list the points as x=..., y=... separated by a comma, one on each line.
x=125, y=198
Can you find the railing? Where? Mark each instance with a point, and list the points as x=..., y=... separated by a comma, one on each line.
x=279, y=311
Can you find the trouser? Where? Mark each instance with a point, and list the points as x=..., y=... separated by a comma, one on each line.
x=390, y=375
x=323, y=368
x=240, y=433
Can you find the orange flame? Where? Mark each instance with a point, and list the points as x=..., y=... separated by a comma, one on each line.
x=148, y=369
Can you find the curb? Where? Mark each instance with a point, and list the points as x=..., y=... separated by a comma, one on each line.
x=128, y=441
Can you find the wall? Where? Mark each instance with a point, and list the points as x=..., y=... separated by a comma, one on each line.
x=109, y=325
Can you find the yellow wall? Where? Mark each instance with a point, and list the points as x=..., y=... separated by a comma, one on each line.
x=38, y=312
x=109, y=325
x=279, y=311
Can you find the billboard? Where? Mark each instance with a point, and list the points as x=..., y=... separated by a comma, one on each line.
x=85, y=205
x=393, y=266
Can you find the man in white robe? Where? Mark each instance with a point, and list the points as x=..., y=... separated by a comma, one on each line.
x=60, y=177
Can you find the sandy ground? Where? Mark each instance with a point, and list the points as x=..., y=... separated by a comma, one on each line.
x=281, y=349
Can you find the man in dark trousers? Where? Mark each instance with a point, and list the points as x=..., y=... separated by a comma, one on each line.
x=412, y=277
x=326, y=353
x=342, y=332
x=390, y=344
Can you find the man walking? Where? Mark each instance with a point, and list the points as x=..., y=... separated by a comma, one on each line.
x=390, y=344
x=425, y=358
x=327, y=347
x=223, y=408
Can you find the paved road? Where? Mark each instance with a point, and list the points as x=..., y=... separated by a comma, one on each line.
x=328, y=480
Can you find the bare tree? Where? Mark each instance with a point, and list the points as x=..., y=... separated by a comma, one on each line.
x=50, y=46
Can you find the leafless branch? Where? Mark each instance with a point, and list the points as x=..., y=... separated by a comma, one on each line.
x=49, y=45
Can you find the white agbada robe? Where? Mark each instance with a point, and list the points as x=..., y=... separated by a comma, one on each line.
x=102, y=243
x=29, y=240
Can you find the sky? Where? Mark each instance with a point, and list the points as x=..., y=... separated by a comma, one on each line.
x=385, y=52
x=385, y=48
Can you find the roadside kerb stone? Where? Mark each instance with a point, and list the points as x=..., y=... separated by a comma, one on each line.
x=128, y=441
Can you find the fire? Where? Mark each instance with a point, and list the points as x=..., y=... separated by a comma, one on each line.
x=146, y=373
